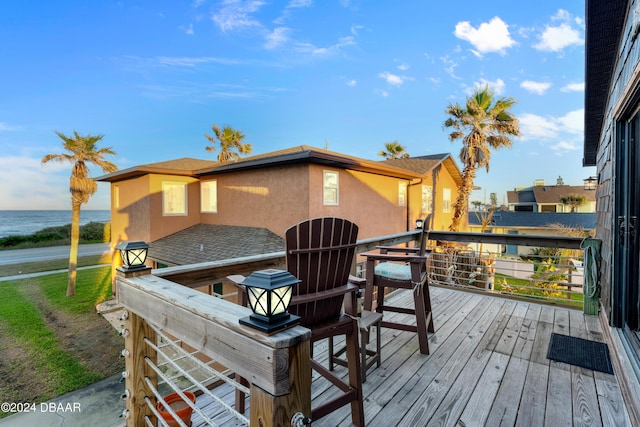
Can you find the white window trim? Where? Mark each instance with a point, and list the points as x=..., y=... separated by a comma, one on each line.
x=183, y=185
x=211, y=208
x=325, y=187
x=427, y=203
x=402, y=193
x=446, y=201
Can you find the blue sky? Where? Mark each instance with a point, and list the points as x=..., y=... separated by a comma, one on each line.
x=154, y=75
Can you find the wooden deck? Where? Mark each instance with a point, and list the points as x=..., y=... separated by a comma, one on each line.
x=487, y=366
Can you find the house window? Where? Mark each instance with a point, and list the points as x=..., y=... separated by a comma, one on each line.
x=209, y=196
x=174, y=198
x=116, y=197
x=427, y=199
x=402, y=194
x=330, y=192
x=446, y=200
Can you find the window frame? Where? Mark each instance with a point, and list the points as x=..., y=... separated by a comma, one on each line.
x=212, y=207
x=181, y=187
x=330, y=187
x=427, y=199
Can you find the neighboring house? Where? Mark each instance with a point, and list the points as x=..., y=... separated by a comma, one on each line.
x=548, y=198
x=611, y=142
x=160, y=202
x=529, y=223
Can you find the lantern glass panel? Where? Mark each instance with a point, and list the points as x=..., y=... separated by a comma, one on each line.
x=136, y=256
x=280, y=299
x=258, y=300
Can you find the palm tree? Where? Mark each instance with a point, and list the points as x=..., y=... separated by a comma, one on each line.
x=488, y=125
x=393, y=150
x=83, y=150
x=229, y=141
x=574, y=201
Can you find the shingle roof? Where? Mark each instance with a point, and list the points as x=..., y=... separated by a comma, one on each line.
x=538, y=219
x=425, y=164
x=185, y=166
x=212, y=242
x=548, y=194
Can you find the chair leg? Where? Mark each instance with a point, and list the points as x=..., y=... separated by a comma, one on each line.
x=355, y=376
x=331, y=353
x=427, y=305
x=421, y=319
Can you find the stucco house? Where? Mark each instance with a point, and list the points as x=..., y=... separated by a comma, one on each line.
x=612, y=132
x=548, y=198
x=169, y=204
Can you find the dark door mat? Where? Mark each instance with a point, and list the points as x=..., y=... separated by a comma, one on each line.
x=580, y=352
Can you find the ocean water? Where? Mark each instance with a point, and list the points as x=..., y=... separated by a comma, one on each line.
x=28, y=222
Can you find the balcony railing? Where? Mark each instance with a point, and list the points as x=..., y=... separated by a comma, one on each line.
x=213, y=346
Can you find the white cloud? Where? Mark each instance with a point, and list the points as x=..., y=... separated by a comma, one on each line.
x=497, y=86
x=351, y=83
x=276, y=38
x=300, y=3
x=538, y=88
x=6, y=127
x=187, y=30
x=310, y=49
x=492, y=36
x=382, y=93
x=554, y=38
x=573, y=122
x=573, y=87
x=393, y=79
x=36, y=186
x=450, y=66
x=563, y=147
x=534, y=127
x=237, y=15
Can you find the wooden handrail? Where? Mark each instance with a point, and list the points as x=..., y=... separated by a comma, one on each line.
x=275, y=365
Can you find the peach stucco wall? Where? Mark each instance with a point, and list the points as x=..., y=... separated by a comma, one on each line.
x=369, y=200
x=273, y=198
x=137, y=212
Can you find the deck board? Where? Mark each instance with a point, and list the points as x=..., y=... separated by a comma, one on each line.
x=487, y=366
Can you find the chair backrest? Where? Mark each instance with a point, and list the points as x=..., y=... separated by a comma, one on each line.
x=424, y=235
x=320, y=253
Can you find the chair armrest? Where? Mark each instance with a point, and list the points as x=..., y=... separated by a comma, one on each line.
x=385, y=249
x=395, y=257
x=360, y=281
x=331, y=293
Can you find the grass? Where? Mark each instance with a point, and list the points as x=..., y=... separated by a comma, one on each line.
x=519, y=286
x=25, y=308
x=52, y=265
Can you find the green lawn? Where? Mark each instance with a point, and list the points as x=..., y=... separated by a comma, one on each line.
x=40, y=333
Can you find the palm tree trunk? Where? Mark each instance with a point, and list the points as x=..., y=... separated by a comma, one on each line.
x=75, y=239
x=462, y=202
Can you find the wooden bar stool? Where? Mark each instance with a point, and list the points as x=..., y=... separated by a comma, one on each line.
x=368, y=356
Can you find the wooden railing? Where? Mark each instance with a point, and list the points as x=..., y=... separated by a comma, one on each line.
x=277, y=367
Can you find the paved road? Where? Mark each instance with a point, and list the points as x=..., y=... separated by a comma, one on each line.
x=19, y=256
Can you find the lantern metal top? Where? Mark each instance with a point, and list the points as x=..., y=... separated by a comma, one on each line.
x=270, y=279
x=127, y=246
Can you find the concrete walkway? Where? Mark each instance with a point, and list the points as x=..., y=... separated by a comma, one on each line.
x=98, y=405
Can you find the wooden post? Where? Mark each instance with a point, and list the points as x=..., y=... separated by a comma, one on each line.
x=136, y=369
x=135, y=330
x=267, y=410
